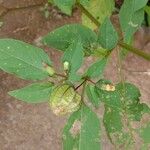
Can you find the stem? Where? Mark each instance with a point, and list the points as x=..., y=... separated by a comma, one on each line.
x=80, y=84
x=91, y=81
x=121, y=44
x=135, y=50
x=121, y=75
x=83, y=92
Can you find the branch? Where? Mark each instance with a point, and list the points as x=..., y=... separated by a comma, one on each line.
x=80, y=84
x=121, y=44
x=135, y=50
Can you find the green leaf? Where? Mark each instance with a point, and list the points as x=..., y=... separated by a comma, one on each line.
x=34, y=93
x=109, y=97
x=147, y=9
x=100, y=52
x=82, y=131
x=65, y=5
x=138, y=4
x=120, y=100
x=130, y=92
x=114, y=126
x=92, y=95
x=96, y=69
x=85, y=2
x=135, y=112
x=23, y=60
x=114, y=95
x=131, y=17
x=134, y=108
x=124, y=97
x=62, y=37
x=112, y=120
x=74, y=56
x=107, y=36
x=131, y=20
x=99, y=9
x=145, y=133
x=146, y=108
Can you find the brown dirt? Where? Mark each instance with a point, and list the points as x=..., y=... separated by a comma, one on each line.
x=34, y=127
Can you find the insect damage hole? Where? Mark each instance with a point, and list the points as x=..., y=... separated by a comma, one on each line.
x=76, y=128
x=108, y=87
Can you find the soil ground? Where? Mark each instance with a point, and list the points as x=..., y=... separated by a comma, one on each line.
x=34, y=127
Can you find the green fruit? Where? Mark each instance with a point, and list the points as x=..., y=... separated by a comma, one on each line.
x=64, y=99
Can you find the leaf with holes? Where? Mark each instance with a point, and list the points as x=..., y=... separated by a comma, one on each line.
x=112, y=120
x=131, y=93
x=120, y=100
x=134, y=109
x=135, y=112
x=23, y=60
x=62, y=37
x=127, y=94
x=109, y=94
x=114, y=126
x=34, y=93
x=107, y=36
x=82, y=131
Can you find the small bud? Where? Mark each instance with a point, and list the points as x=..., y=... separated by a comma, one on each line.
x=49, y=69
x=66, y=65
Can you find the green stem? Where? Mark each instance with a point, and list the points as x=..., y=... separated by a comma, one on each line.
x=135, y=50
x=121, y=44
x=120, y=71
